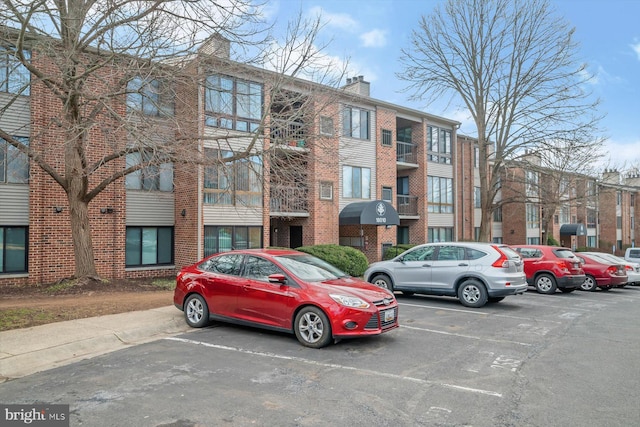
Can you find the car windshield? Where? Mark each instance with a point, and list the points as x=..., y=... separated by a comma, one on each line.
x=310, y=268
x=564, y=253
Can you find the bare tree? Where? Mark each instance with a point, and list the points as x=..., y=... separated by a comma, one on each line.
x=91, y=56
x=513, y=65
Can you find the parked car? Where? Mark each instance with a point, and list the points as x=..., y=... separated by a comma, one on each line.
x=601, y=273
x=473, y=272
x=549, y=268
x=283, y=290
x=632, y=254
x=632, y=268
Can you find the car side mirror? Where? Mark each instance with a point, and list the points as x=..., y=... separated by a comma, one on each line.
x=277, y=278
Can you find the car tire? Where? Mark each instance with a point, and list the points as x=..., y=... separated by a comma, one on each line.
x=606, y=288
x=196, y=311
x=312, y=327
x=545, y=284
x=495, y=299
x=589, y=284
x=383, y=281
x=472, y=293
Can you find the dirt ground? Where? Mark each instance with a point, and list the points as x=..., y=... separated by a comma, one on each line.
x=25, y=306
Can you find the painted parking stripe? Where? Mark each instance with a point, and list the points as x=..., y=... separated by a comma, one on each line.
x=336, y=366
x=471, y=337
x=486, y=314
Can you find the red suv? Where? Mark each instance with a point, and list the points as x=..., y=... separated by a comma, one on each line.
x=551, y=267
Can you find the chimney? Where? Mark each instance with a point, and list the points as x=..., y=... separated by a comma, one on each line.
x=611, y=176
x=358, y=86
x=216, y=45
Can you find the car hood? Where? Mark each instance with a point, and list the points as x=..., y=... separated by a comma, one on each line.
x=355, y=287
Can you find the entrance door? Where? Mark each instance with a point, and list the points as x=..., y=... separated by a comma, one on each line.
x=295, y=236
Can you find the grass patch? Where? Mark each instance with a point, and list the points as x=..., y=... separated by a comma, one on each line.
x=61, y=286
x=166, y=284
x=15, y=318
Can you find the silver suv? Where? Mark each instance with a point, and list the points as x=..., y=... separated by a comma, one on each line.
x=473, y=272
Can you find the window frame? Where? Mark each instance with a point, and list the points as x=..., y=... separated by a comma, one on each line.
x=325, y=186
x=355, y=130
x=436, y=187
x=10, y=156
x=233, y=103
x=159, y=250
x=363, y=192
x=149, y=178
x=212, y=234
x=5, y=253
x=149, y=97
x=15, y=78
x=386, y=137
x=239, y=182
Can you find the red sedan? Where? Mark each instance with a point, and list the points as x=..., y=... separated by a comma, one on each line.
x=601, y=274
x=283, y=290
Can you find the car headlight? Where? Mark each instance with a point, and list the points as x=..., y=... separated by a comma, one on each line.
x=349, y=301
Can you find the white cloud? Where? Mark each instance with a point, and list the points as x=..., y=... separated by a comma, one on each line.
x=374, y=38
x=341, y=21
x=636, y=48
x=621, y=155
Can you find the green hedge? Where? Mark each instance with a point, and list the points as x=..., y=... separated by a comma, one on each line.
x=350, y=260
x=394, y=251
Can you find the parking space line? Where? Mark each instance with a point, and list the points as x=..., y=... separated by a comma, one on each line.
x=473, y=337
x=477, y=312
x=336, y=366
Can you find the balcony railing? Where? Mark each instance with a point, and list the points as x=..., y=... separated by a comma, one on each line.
x=406, y=152
x=407, y=205
x=289, y=200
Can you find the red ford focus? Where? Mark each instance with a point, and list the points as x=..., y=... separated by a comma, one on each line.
x=283, y=290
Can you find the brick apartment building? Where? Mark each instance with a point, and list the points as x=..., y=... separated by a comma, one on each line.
x=355, y=170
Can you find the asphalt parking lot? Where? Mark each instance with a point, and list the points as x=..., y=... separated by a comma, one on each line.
x=530, y=360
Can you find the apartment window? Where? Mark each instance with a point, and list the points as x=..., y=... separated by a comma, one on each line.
x=497, y=240
x=440, y=194
x=533, y=216
x=387, y=138
x=356, y=182
x=152, y=177
x=326, y=190
x=592, y=218
x=387, y=194
x=14, y=164
x=497, y=214
x=13, y=249
x=591, y=188
x=355, y=123
x=476, y=233
x=229, y=237
x=477, y=198
x=591, y=241
x=402, y=235
x=438, y=145
x=476, y=157
x=531, y=183
x=565, y=214
x=632, y=200
x=233, y=104
x=618, y=198
x=326, y=126
x=14, y=77
x=232, y=183
x=149, y=246
x=618, y=222
x=533, y=240
x=150, y=97
x=439, y=234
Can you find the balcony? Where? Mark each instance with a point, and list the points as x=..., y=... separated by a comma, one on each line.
x=407, y=206
x=289, y=202
x=406, y=156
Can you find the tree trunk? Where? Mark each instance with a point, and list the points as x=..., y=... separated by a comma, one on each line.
x=81, y=234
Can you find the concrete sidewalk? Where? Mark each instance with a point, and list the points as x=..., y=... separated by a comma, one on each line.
x=30, y=350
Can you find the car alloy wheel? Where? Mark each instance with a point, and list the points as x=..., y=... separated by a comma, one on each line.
x=196, y=312
x=312, y=327
x=472, y=293
x=589, y=284
x=545, y=284
x=383, y=281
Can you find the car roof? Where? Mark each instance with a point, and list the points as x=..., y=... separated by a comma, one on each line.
x=263, y=251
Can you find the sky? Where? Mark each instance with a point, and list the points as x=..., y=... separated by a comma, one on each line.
x=371, y=33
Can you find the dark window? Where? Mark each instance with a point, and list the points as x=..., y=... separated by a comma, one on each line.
x=147, y=246
x=225, y=238
x=150, y=97
x=438, y=145
x=13, y=249
x=387, y=138
x=236, y=183
x=355, y=123
x=223, y=264
x=260, y=269
x=402, y=235
x=14, y=164
x=233, y=104
x=387, y=194
x=14, y=77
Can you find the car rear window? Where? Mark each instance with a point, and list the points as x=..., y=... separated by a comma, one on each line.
x=510, y=253
x=564, y=253
x=529, y=253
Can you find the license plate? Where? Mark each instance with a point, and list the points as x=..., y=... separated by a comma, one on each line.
x=388, y=315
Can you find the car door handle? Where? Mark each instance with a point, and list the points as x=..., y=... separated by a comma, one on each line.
x=463, y=264
x=426, y=265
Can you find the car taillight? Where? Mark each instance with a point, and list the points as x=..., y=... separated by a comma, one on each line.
x=503, y=261
x=612, y=269
x=564, y=265
x=628, y=268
